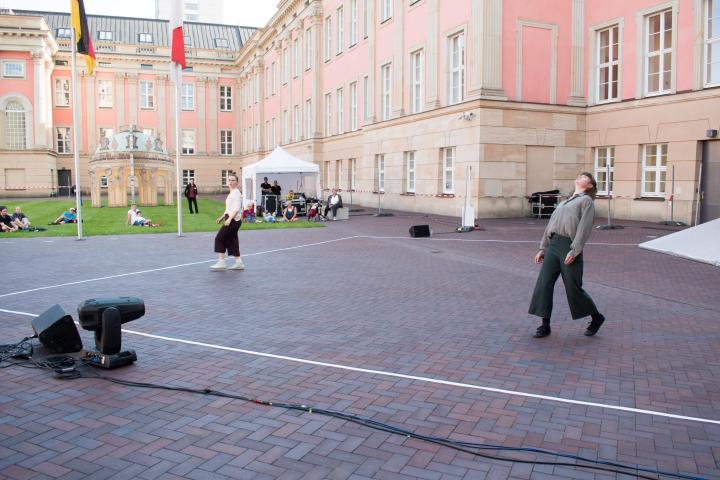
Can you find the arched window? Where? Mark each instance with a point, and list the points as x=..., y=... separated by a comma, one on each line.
x=15, y=126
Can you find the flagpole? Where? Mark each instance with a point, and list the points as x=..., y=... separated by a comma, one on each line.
x=178, y=76
x=76, y=145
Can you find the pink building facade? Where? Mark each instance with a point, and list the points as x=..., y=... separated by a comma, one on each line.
x=400, y=97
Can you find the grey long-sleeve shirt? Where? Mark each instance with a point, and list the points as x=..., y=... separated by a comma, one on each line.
x=572, y=218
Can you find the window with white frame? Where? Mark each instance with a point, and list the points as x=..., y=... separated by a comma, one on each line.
x=327, y=174
x=712, y=42
x=188, y=175
x=353, y=107
x=339, y=101
x=608, y=64
x=417, y=75
x=328, y=38
x=380, y=173
x=385, y=10
x=285, y=127
x=353, y=173
x=63, y=33
x=257, y=135
x=62, y=92
x=105, y=93
x=187, y=96
x=147, y=95
x=410, y=172
x=296, y=123
x=366, y=18
x=106, y=134
x=338, y=175
x=654, y=169
x=659, y=52
x=226, y=142
x=15, y=137
x=105, y=35
x=13, y=69
x=103, y=181
x=273, y=78
x=273, y=133
x=145, y=38
x=456, y=68
x=188, y=142
x=268, y=132
x=62, y=140
x=328, y=114
x=604, y=164
x=308, y=48
x=256, y=88
x=225, y=98
x=386, y=98
x=366, y=96
x=308, y=118
x=285, y=66
x=353, y=22
x=150, y=132
x=296, y=57
x=340, y=29
x=448, y=169
x=187, y=40
x=224, y=174
x=222, y=43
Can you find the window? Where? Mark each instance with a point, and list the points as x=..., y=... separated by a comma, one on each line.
x=353, y=22
x=224, y=174
x=187, y=176
x=296, y=123
x=659, y=53
x=308, y=118
x=188, y=142
x=608, y=64
x=712, y=43
x=353, y=173
x=328, y=114
x=339, y=100
x=103, y=182
x=273, y=78
x=285, y=66
x=366, y=18
x=380, y=173
x=285, y=127
x=273, y=133
x=145, y=38
x=410, y=172
x=105, y=93
x=448, y=168
x=15, y=138
x=654, y=170
x=257, y=135
x=366, y=96
x=226, y=142
x=328, y=38
x=62, y=140
x=105, y=35
x=257, y=87
x=456, y=77
x=62, y=92
x=308, y=48
x=187, y=40
x=105, y=136
x=147, y=96
x=13, y=69
x=192, y=17
x=150, y=132
x=385, y=10
x=63, y=33
x=386, y=79
x=604, y=161
x=416, y=66
x=296, y=57
x=268, y=132
x=225, y=98
x=222, y=43
x=146, y=66
x=353, y=107
x=187, y=96
x=338, y=175
x=340, y=27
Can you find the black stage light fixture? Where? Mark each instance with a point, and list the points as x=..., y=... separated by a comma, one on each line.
x=104, y=317
x=56, y=331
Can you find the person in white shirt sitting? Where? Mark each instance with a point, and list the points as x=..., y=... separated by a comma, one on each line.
x=135, y=219
x=334, y=202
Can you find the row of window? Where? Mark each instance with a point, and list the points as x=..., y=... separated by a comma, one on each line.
x=654, y=169
x=189, y=174
x=142, y=37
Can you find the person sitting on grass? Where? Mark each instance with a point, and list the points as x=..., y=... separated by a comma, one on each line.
x=135, y=218
x=290, y=213
x=20, y=219
x=312, y=214
x=248, y=215
x=6, y=221
x=269, y=216
x=67, y=217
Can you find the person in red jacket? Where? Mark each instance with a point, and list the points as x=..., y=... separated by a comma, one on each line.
x=191, y=193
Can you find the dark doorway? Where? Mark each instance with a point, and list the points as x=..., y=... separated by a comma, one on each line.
x=64, y=183
x=710, y=182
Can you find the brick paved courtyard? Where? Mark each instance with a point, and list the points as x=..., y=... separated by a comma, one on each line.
x=450, y=310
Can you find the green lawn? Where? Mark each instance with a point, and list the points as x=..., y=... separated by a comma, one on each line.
x=112, y=221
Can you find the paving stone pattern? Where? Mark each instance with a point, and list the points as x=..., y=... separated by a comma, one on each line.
x=452, y=307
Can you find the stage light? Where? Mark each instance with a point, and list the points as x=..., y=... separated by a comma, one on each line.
x=104, y=316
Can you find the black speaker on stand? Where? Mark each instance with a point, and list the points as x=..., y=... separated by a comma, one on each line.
x=420, y=231
x=56, y=331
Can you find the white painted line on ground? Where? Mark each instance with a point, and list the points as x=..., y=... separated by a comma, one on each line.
x=413, y=377
x=165, y=268
x=489, y=240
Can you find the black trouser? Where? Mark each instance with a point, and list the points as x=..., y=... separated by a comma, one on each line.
x=191, y=202
x=581, y=305
x=334, y=210
x=227, y=239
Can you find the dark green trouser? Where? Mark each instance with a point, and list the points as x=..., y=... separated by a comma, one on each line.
x=581, y=305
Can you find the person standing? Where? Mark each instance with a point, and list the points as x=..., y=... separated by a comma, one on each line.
x=191, y=193
x=560, y=253
x=227, y=237
x=334, y=202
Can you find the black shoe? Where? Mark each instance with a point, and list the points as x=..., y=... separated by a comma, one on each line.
x=595, y=325
x=542, y=331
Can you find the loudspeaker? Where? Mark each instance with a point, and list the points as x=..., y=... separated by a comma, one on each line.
x=420, y=231
x=57, y=331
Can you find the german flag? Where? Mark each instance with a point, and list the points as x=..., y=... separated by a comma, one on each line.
x=78, y=20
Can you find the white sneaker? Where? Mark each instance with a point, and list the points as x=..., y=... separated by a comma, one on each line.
x=220, y=265
x=334, y=219
x=238, y=265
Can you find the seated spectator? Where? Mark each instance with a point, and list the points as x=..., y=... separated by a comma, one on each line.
x=312, y=213
x=290, y=196
x=67, y=217
x=290, y=213
x=6, y=221
x=135, y=218
x=334, y=202
x=248, y=215
x=20, y=219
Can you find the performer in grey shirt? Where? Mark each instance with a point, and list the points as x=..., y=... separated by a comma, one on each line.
x=561, y=254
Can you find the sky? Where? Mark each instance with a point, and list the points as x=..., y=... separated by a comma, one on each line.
x=248, y=13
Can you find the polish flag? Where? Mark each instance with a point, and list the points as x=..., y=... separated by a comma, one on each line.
x=178, y=38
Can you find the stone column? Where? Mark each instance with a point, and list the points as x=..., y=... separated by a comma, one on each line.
x=398, y=60
x=577, y=90
x=134, y=104
x=162, y=83
x=40, y=103
x=200, y=143
x=212, y=116
x=91, y=127
x=485, y=79
x=432, y=69
x=49, y=67
x=119, y=101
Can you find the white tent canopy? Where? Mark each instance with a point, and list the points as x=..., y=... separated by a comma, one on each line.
x=697, y=243
x=290, y=172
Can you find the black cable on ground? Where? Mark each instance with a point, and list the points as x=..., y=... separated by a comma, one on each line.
x=64, y=367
